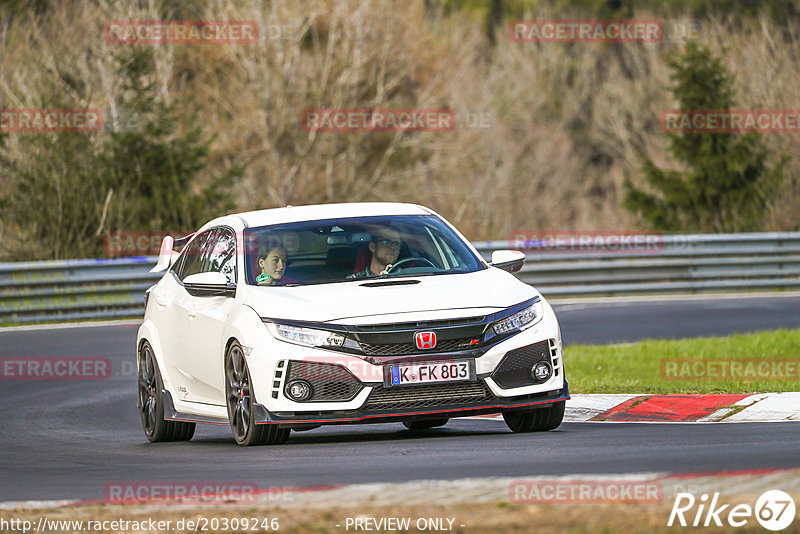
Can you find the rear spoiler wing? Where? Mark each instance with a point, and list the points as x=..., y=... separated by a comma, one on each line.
x=168, y=252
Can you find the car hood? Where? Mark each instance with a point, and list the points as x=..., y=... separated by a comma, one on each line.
x=355, y=302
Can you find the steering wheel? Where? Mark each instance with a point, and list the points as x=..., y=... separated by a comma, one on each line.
x=406, y=260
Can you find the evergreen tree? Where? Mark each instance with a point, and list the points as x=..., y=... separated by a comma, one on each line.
x=70, y=189
x=155, y=167
x=728, y=179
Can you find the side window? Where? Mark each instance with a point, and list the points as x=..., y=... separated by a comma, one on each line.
x=222, y=254
x=194, y=257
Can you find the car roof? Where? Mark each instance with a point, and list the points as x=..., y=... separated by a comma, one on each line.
x=318, y=212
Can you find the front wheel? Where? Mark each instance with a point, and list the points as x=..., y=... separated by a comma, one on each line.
x=539, y=420
x=239, y=397
x=151, y=404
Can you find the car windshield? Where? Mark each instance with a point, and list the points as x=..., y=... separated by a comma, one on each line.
x=342, y=250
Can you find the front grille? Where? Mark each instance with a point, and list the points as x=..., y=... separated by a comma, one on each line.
x=515, y=367
x=429, y=396
x=399, y=349
x=329, y=382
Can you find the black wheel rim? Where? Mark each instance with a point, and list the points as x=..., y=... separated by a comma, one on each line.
x=148, y=390
x=238, y=392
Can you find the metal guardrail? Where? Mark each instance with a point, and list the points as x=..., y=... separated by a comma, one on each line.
x=74, y=289
x=98, y=289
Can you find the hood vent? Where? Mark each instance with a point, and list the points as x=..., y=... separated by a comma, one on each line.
x=390, y=283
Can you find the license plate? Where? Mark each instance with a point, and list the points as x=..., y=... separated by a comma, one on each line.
x=430, y=372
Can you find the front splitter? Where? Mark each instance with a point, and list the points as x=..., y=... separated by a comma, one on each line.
x=533, y=402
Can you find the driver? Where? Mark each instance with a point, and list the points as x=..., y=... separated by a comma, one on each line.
x=385, y=248
x=272, y=262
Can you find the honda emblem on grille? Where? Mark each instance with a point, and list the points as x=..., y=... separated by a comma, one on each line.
x=425, y=340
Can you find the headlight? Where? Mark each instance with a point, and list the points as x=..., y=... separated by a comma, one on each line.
x=520, y=320
x=310, y=337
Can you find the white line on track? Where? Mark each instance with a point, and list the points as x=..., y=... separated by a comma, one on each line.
x=669, y=297
x=59, y=326
x=489, y=489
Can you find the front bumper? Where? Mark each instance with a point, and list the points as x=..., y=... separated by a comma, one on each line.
x=493, y=405
x=352, y=388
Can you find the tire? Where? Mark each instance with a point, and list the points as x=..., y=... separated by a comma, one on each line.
x=239, y=399
x=151, y=403
x=415, y=426
x=539, y=420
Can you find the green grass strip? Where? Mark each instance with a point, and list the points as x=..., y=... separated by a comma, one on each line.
x=743, y=363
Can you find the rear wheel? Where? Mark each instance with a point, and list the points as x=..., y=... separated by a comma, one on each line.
x=151, y=404
x=424, y=425
x=539, y=420
x=240, y=404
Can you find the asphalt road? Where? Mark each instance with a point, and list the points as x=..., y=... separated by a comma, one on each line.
x=69, y=439
x=617, y=322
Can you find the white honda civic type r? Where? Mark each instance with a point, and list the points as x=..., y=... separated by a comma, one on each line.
x=291, y=318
